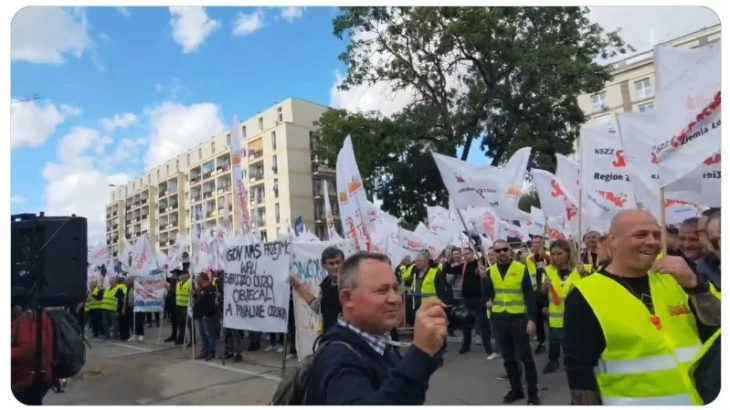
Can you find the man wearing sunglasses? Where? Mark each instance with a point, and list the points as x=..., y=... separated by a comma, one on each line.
x=511, y=297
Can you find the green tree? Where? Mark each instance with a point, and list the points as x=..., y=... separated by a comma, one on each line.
x=501, y=77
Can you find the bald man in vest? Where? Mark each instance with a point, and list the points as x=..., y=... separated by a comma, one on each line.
x=631, y=329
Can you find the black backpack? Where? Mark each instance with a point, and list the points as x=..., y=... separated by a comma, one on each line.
x=293, y=387
x=69, y=351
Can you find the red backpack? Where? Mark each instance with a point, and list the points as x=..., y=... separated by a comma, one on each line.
x=23, y=348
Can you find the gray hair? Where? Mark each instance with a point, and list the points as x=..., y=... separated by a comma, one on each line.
x=350, y=269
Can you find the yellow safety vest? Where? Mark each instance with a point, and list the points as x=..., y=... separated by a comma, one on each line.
x=532, y=269
x=109, y=302
x=182, y=292
x=705, y=348
x=508, y=295
x=428, y=286
x=557, y=294
x=91, y=302
x=407, y=273
x=647, y=358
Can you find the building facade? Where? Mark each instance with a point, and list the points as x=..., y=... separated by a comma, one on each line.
x=632, y=86
x=283, y=179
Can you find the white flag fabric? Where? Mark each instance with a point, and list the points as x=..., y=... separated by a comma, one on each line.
x=677, y=211
x=568, y=171
x=434, y=241
x=474, y=185
x=239, y=189
x=688, y=106
x=329, y=219
x=144, y=259
x=554, y=199
x=440, y=220
x=536, y=224
x=509, y=230
x=350, y=197
x=483, y=220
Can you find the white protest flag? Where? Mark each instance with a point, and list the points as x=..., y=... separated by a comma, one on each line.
x=239, y=189
x=474, y=185
x=433, y=240
x=554, y=200
x=638, y=135
x=537, y=227
x=178, y=247
x=568, y=171
x=329, y=219
x=145, y=259
x=99, y=255
x=555, y=229
x=305, y=264
x=606, y=185
x=441, y=221
x=688, y=108
x=482, y=220
x=678, y=210
x=256, y=291
x=162, y=259
x=350, y=197
x=509, y=230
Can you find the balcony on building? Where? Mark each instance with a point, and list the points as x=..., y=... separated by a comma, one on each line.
x=195, y=175
x=172, y=220
x=172, y=202
x=196, y=194
x=128, y=204
x=162, y=206
x=223, y=163
x=207, y=169
x=171, y=237
x=172, y=186
x=256, y=173
x=163, y=239
x=136, y=200
x=162, y=223
x=115, y=209
x=162, y=189
x=223, y=185
x=208, y=189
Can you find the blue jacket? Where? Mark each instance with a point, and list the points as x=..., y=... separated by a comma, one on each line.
x=339, y=376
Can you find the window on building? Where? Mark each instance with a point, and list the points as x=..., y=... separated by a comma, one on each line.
x=212, y=147
x=643, y=88
x=263, y=236
x=273, y=139
x=276, y=213
x=243, y=131
x=276, y=187
x=200, y=154
x=647, y=108
x=599, y=102
x=279, y=115
x=261, y=123
x=275, y=167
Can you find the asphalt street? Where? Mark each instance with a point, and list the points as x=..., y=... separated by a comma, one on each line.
x=135, y=373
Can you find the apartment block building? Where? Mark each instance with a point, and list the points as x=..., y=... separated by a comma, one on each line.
x=194, y=189
x=632, y=86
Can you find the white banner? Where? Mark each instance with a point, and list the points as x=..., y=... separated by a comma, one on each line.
x=256, y=286
x=484, y=221
x=434, y=241
x=350, y=197
x=149, y=292
x=306, y=265
x=537, y=227
x=678, y=210
x=143, y=257
x=688, y=108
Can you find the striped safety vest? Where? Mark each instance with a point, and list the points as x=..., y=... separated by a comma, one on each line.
x=109, y=301
x=647, y=357
x=558, y=292
x=508, y=295
x=532, y=269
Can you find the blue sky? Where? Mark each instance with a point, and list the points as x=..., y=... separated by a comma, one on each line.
x=116, y=84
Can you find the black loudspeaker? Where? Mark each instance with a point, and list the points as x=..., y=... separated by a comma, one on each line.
x=48, y=260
